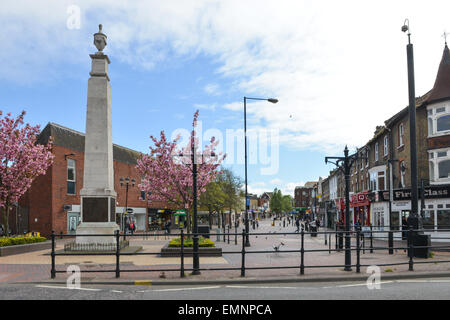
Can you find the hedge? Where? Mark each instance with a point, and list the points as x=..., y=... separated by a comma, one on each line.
x=202, y=242
x=4, y=242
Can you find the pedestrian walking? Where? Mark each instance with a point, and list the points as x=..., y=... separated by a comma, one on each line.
x=297, y=223
x=167, y=226
x=132, y=227
x=404, y=228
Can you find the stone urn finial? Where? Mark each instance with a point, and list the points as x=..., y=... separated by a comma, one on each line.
x=100, y=39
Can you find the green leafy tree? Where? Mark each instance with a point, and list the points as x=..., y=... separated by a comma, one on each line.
x=231, y=186
x=287, y=202
x=276, y=202
x=213, y=200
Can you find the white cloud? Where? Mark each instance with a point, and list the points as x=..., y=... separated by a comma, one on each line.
x=338, y=68
x=212, y=89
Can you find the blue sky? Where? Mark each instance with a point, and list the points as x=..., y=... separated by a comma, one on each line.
x=338, y=70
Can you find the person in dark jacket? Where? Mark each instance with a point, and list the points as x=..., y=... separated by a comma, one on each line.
x=404, y=228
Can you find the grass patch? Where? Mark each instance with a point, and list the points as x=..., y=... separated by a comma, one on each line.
x=187, y=243
x=388, y=270
x=431, y=255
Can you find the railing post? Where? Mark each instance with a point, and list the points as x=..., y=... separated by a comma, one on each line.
x=117, y=234
x=371, y=240
x=410, y=249
x=336, y=237
x=329, y=243
x=391, y=242
x=358, y=249
x=182, y=254
x=243, y=254
x=228, y=234
x=235, y=234
x=302, y=253
x=53, y=271
x=325, y=236
x=363, y=235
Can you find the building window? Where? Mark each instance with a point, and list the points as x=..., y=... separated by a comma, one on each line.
x=401, y=134
x=386, y=143
x=439, y=119
x=402, y=173
x=376, y=151
x=71, y=176
x=439, y=166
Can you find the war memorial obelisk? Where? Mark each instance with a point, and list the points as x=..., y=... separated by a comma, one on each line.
x=98, y=198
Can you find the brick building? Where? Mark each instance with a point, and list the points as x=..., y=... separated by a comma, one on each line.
x=53, y=201
x=380, y=184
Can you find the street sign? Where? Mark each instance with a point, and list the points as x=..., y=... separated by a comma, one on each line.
x=130, y=210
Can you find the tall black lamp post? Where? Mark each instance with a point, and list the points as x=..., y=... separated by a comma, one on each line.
x=195, y=256
x=126, y=182
x=414, y=219
x=247, y=202
x=344, y=164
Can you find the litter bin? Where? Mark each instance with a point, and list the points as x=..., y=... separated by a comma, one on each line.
x=203, y=231
x=313, y=230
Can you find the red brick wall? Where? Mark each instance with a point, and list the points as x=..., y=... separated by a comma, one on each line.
x=48, y=194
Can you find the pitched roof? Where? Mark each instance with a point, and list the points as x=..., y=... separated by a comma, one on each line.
x=441, y=89
x=69, y=138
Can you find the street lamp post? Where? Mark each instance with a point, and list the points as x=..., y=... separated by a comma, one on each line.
x=344, y=164
x=195, y=256
x=126, y=182
x=414, y=219
x=247, y=204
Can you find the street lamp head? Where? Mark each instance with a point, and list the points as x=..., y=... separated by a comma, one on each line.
x=272, y=100
x=121, y=181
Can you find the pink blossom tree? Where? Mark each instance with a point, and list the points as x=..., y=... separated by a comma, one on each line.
x=167, y=171
x=22, y=159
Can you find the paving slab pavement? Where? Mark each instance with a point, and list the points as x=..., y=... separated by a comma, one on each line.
x=283, y=264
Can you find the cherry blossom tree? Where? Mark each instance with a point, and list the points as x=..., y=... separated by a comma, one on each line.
x=22, y=159
x=167, y=171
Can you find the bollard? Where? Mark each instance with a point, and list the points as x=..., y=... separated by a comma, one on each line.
x=243, y=254
x=358, y=253
x=117, y=253
x=53, y=271
x=302, y=253
x=182, y=254
x=325, y=236
x=228, y=234
x=235, y=234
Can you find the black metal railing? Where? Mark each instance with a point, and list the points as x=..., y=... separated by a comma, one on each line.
x=339, y=235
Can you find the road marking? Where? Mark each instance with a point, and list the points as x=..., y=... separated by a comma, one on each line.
x=116, y=291
x=142, y=283
x=182, y=289
x=258, y=287
x=423, y=281
x=358, y=284
x=70, y=288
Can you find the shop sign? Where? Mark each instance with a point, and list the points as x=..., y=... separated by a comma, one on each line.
x=180, y=213
x=431, y=192
x=359, y=200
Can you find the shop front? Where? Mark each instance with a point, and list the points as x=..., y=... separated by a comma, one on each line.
x=361, y=208
x=157, y=218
